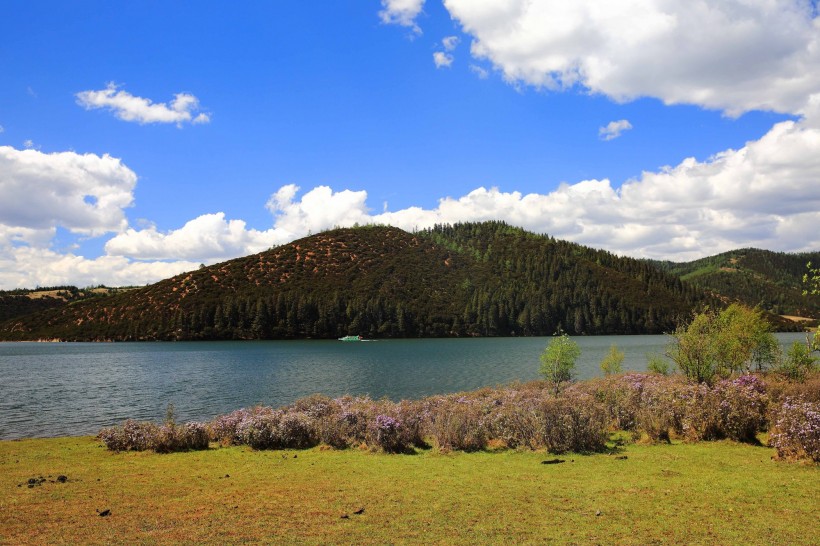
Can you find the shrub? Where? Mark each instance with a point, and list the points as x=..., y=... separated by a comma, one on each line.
x=295, y=430
x=798, y=363
x=386, y=433
x=655, y=363
x=796, y=430
x=719, y=344
x=611, y=363
x=743, y=408
x=572, y=422
x=143, y=436
x=225, y=428
x=458, y=424
x=514, y=421
x=259, y=430
x=131, y=436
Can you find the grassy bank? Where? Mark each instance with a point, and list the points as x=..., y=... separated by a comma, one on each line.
x=708, y=493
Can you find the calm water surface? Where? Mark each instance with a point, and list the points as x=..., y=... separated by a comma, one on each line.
x=54, y=389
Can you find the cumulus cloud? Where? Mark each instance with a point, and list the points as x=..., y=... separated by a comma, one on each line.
x=211, y=237
x=614, y=129
x=183, y=109
x=764, y=194
x=319, y=209
x=402, y=12
x=442, y=60
x=731, y=55
x=27, y=267
x=84, y=193
x=207, y=238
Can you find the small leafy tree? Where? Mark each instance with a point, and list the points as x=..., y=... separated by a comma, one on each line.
x=798, y=362
x=558, y=360
x=611, y=364
x=720, y=344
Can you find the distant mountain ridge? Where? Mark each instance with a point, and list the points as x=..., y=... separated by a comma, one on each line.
x=772, y=281
x=472, y=279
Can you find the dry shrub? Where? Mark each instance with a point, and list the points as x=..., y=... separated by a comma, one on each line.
x=458, y=424
x=167, y=438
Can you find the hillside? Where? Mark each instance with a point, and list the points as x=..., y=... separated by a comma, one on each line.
x=15, y=303
x=466, y=280
x=771, y=280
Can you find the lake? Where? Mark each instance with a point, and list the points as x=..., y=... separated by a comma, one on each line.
x=56, y=389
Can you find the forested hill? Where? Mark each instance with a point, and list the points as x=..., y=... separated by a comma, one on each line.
x=772, y=281
x=486, y=279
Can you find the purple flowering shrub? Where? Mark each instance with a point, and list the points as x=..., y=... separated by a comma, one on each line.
x=528, y=416
x=225, y=428
x=457, y=422
x=574, y=421
x=166, y=438
x=514, y=419
x=743, y=405
x=796, y=430
x=387, y=433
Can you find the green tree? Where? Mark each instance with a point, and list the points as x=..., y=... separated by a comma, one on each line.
x=798, y=362
x=611, y=364
x=558, y=360
x=720, y=344
x=812, y=279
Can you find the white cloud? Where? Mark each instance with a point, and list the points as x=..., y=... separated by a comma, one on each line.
x=85, y=194
x=482, y=73
x=401, y=12
x=211, y=237
x=1, y=129
x=127, y=107
x=450, y=43
x=319, y=209
x=614, y=129
x=28, y=267
x=442, y=60
x=207, y=238
x=731, y=55
x=28, y=143
x=764, y=194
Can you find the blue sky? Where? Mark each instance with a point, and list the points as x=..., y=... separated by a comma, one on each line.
x=141, y=139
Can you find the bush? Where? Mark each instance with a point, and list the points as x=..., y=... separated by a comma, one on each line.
x=143, y=436
x=799, y=363
x=655, y=363
x=796, y=430
x=572, y=422
x=458, y=424
x=716, y=345
x=225, y=428
x=131, y=436
x=611, y=363
x=386, y=432
x=743, y=408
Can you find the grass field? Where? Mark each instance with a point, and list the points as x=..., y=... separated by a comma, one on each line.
x=705, y=493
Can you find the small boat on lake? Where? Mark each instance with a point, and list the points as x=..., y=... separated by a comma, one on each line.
x=351, y=338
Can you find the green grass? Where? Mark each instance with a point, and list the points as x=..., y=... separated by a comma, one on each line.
x=707, y=493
